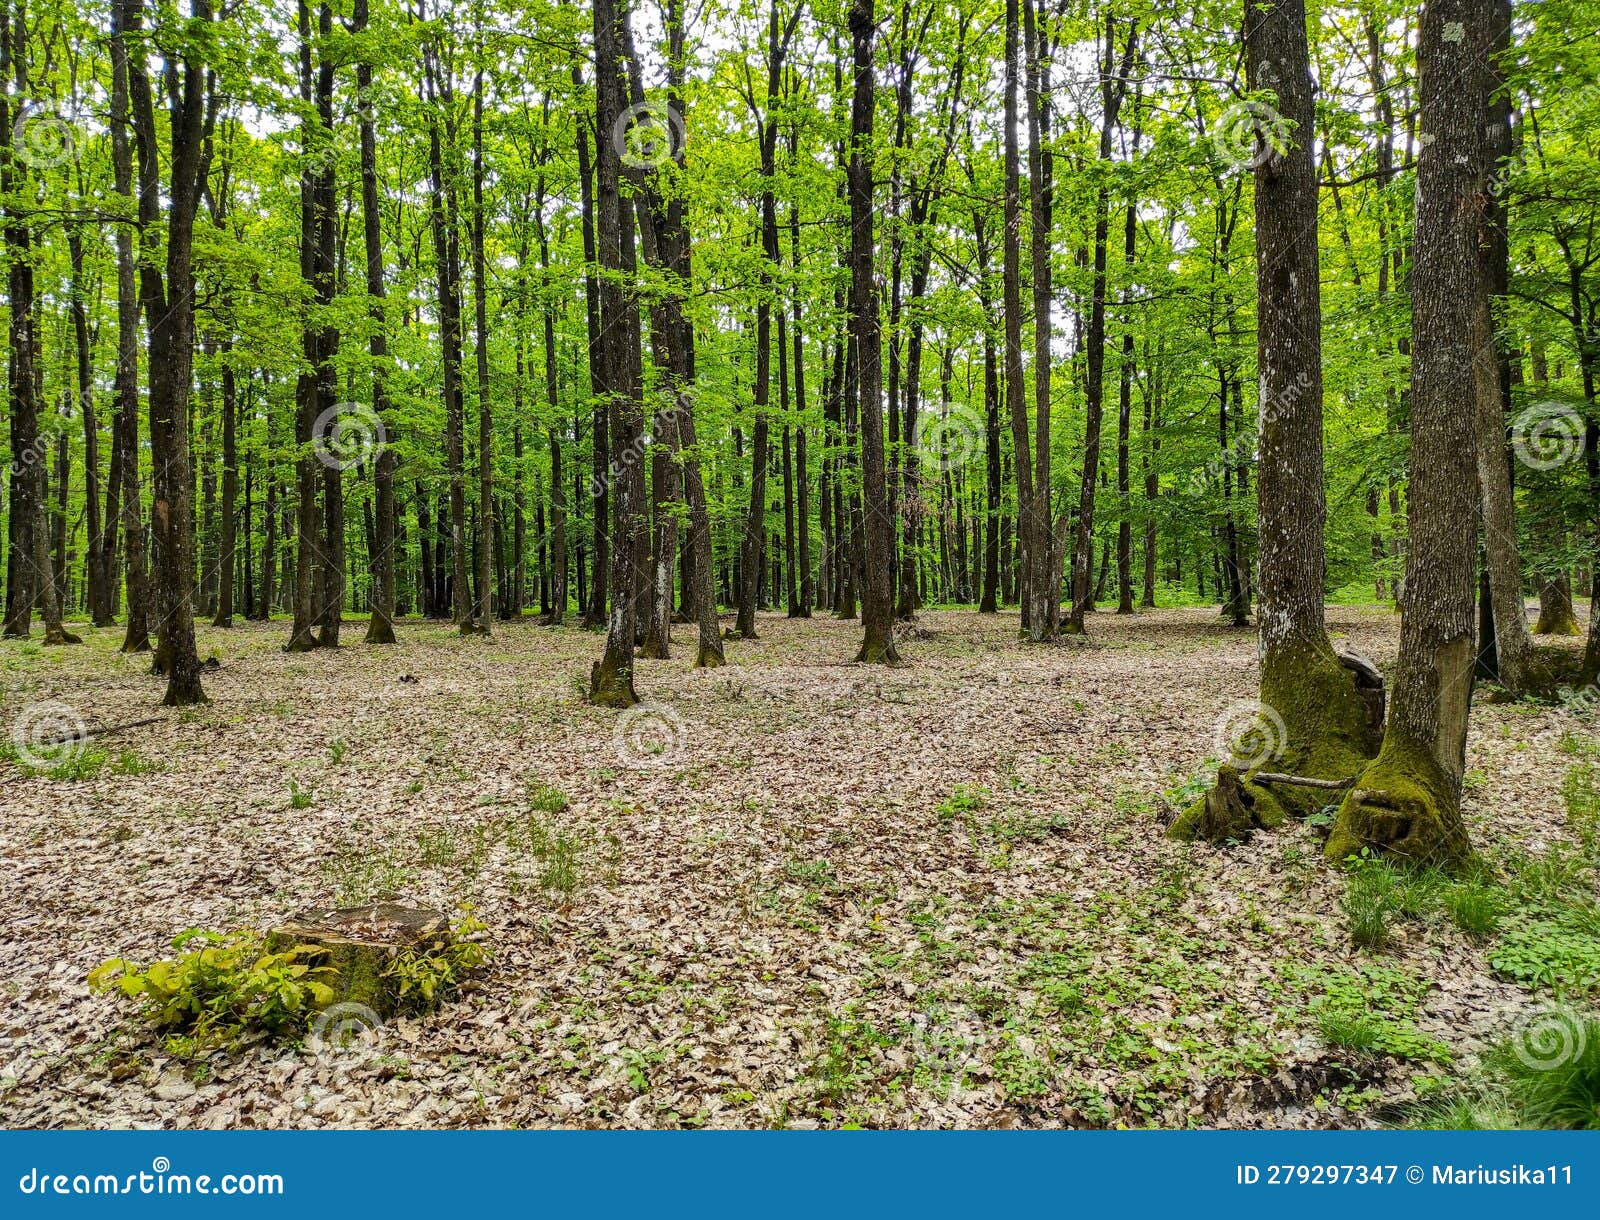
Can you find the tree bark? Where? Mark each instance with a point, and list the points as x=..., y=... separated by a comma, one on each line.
x=1407, y=800
x=877, y=593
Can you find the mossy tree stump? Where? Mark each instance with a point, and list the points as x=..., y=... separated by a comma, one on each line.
x=358, y=945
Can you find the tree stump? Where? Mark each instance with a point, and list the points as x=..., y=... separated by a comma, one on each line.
x=1228, y=812
x=359, y=943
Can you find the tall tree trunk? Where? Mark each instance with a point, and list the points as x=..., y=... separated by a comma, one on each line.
x=1407, y=800
x=1016, y=406
x=1113, y=88
x=1044, y=576
x=169, y=311
x=611, y=680
x=380, y=626
x=1513, y=644
x=98, y=555
x=877, y=594
x=483, y=613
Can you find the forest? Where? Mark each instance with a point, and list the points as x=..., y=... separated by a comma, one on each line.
x=975, y=563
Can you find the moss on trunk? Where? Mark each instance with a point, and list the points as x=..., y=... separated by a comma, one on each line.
x=1231, y=812
x=1402, y=805
x=1330, y=709
x=611, y=685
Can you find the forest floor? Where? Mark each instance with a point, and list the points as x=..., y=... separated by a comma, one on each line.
x=794, y=891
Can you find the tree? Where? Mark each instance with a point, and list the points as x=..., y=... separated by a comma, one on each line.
x=168, y=302
x=1407, y=800
x=877, y=594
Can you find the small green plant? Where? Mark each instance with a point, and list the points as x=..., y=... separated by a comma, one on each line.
x=422, y=979
x=1556, y=947
x=1367, y=908
x=1552, y=1073
x=1475, y=907
x=219, y=987
x=545, y=799
x=79, y=765
x=336, y=749
x=1351, y=1029
x=560, y=873
x=299, y=798
x=964, y=799
x=1186, y=792
x=129, y=763
x=437, y=848
x=358, y=875
x=1377, y=892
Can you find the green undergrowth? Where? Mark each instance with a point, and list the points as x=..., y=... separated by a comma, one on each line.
x=1545, y=1076
x=1544, y=935
x=539, y=854
x=1111, y=1009
x=1535, y=912
x=222, y=989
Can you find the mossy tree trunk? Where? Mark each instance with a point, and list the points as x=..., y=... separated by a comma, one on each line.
x=1556, y=613
x=1316, y=721
x=1407, y=800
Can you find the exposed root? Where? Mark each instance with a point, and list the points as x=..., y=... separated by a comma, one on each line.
x=1402, y=805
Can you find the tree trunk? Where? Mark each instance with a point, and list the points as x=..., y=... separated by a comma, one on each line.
x=380, y=626
x=877, y=593
x=1407, y=801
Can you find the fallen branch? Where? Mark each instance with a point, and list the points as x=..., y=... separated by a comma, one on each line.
x=1301, y=781
x=103, y=730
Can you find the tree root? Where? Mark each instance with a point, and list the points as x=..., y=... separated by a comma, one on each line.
x=1401, y=805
